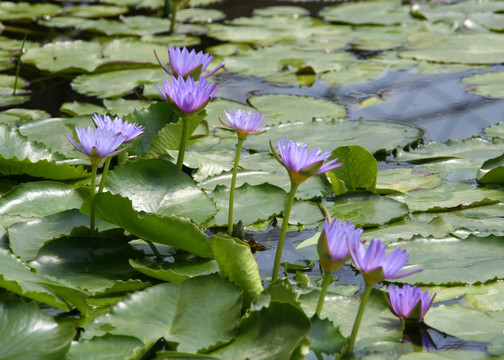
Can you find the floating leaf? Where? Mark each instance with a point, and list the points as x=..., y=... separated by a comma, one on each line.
x=359, y=169
x=104, y=348
x=26, y=11
x=173, y=193
x=29, y=333
x=174, y=272
x=492, y=171
x=237, y=263
x=168, y=230
x=195, y=314
x=369, y=13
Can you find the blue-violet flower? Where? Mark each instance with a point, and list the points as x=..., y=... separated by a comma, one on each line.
x=375, y=265
x=409, y=302
x=186, y=96
x=184, y=63
x=98, y=143
x=300, y=163
x=244, y=123
x=332, y=244
x=130, y=131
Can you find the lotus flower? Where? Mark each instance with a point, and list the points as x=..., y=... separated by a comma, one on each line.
x=375, y=265
x=184, y=63
x=332, y=245
x=186, y=96
x=98, y=143
x=244, y=123
x=130, y=131
x=300, y=163
x=408, y=302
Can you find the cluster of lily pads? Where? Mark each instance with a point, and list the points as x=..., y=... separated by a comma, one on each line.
x=158, y=276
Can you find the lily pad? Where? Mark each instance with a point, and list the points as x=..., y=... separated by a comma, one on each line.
x=196, y=15
x=174, y=272
x=28, y=333
x=173, y=193
x=26, y=11
x=95, y=11
x=487, y=84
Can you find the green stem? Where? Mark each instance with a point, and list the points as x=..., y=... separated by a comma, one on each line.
x=173, y=15
x=323, y=292
x=92, y=199
x=358, y=319
x=104, y=173
x=18, y=66
x=233, y=185
x=154, y=250
x=283, y=230
x=183, y=143
x=166, y=9
x=324, y=209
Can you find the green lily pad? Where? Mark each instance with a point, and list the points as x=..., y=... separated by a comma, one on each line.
x=369, y=13
x=26, y=11
x=492, y=171
x=495, y=130
x=367, y=209
x=16, y=116
x=28, y=333
x=98, y=268
x=95, y=11
x=252, y=203
x=454, y=261
x=174, y=272
x=282, y=108
x=289, y=11
x=405, y=179
x=173, y=193
x=122, y=107
x=167, y=230
x=374, y=136
x=488, y=84
x=76, y=108
x=468, y=49
x=194, y=314
x=115, y=84
x=196, y=15
x=104, y=348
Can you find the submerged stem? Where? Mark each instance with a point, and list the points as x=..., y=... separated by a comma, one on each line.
x=18, y=65
x=283, y=230
x=325, y=284
x=154, y=250
x=104, y=173
x=233, y=185
x=358, y=319
x=92, y=191
x=183, y=143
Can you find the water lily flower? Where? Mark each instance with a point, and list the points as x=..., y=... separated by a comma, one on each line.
x=300, y=163
x=187, y=97
x=375, y=265
x=333, y=243
x=333, y=251
x=184, y=63
x=409, y=302
x=98, y=143
x=244, y=123
x=130, y=131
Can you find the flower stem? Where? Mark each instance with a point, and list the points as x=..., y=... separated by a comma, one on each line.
x=233, y=185
x=283, y=230
x=358, y=319
x=173, y=15
x=183, y=143
x=325, y=284
x=154, y=250
x=92, y=190
x=18, y=65
x=104, y=173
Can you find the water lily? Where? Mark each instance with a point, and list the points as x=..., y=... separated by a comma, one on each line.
x=130, y=131
x=300, y=164
x=184, y=63
x=375, y=266
x=97, y=144
x=186, y=98
x=244, y=124
x=333, y=250
x=409, y=302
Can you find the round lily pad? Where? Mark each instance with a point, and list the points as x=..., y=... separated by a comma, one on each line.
x=290, y=11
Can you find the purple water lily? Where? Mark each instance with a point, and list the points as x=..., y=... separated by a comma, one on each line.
x=333, y=243
x=375, y=265
x=300, y=163
x=98, y=143
x=409, y=302
x=184, y=63
x=244, y=123
x=130, y=131
x=187, y=97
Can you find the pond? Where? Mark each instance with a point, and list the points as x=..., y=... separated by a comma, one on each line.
x=407, y=95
